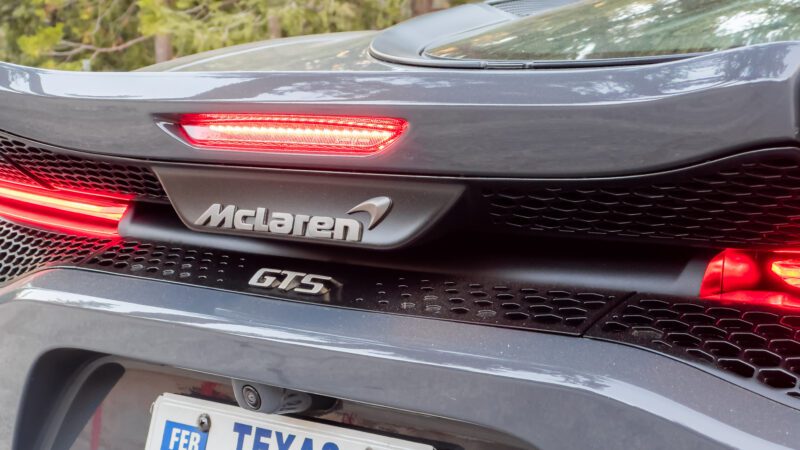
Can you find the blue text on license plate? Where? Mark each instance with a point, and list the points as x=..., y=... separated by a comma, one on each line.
x=174, y=426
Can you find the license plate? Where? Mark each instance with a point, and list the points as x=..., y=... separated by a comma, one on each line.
x=175, y=425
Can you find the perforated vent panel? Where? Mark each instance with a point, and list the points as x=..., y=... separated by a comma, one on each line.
x=70, y=172
x=170, y=263
x=756, y=346
x=509, y=304
x=494, y=302
x=523, y=8
x=24, y=250
x=737, y=202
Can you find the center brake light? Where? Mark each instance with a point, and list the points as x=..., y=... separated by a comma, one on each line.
x=282, y=133
x=62, y=210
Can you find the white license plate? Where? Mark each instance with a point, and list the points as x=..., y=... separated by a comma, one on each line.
x=174, y=426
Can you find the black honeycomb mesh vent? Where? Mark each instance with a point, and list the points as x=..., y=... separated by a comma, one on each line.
x=506, y=304
x=70, y=172
x=756, y=346
x=24, y=250
x=493, y=302
x=170, y=263
x=9, y=172
x=524, y=8
x=748, y=201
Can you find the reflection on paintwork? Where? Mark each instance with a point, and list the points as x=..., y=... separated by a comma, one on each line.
x=536, y=114
x=520, y=87
x=333, y=52
x=603, y=29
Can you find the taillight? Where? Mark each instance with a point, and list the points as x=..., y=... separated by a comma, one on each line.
x=316, y=134
x=62, y=210
x=788, y=270
x=754, y=277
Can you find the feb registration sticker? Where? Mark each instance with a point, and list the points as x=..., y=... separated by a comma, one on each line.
x=179, y=436
x=185, y=423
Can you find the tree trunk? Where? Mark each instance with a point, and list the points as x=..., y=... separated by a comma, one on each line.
x=419, y=7
x=163, y=47
x=274, y=27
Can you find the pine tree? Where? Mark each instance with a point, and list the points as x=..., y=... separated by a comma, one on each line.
x=127, y=34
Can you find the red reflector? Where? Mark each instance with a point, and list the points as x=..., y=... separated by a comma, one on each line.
x=64, y=211
x=333, y=135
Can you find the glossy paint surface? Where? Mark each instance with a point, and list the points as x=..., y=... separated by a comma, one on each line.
x=326, y=52
x=482, y=375
x=549, y=123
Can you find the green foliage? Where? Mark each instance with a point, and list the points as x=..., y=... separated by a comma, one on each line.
x=119, y=34
x=43, y=40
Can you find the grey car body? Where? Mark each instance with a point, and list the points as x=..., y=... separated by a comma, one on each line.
x=70, y=328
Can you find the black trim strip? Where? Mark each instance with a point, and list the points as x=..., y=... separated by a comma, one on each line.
x=479, y=299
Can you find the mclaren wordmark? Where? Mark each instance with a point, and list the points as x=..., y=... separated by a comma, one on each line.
x=322, y=227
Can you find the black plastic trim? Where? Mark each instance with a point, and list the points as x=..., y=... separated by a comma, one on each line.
x=750, y=345
x=481, y=299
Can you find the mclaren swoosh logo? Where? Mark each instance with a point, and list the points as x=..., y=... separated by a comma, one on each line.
x=377, y=208
x=263, y=220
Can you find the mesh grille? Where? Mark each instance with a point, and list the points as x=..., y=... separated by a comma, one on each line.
x=168, y=262
x=24, y=250
x=744, y=204
x=494, y=302
x=70, y=172
x=523, y=8
x=758, y=346
x=9, y=172
x=514, y=305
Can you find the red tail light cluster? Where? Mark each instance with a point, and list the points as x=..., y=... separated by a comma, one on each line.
x=69, y=211
x=331, y=135
x=741, y=276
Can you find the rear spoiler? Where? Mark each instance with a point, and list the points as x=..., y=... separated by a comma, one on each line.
x=514, y=124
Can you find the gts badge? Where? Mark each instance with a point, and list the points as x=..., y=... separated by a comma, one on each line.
x=321, y=227
x=286, y=280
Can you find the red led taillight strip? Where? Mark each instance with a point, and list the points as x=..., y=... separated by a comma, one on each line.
x=316, y=134
x=62, y=210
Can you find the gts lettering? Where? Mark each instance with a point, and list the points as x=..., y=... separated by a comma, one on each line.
x=287, y=280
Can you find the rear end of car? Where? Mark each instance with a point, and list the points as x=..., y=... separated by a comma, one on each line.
x=394, y=241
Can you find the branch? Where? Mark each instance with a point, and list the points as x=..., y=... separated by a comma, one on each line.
x=123, y=46
x=123, y=19
x=102, y=15
x=78, y=48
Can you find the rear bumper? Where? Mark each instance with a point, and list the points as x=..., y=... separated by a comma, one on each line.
x=545, y=390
